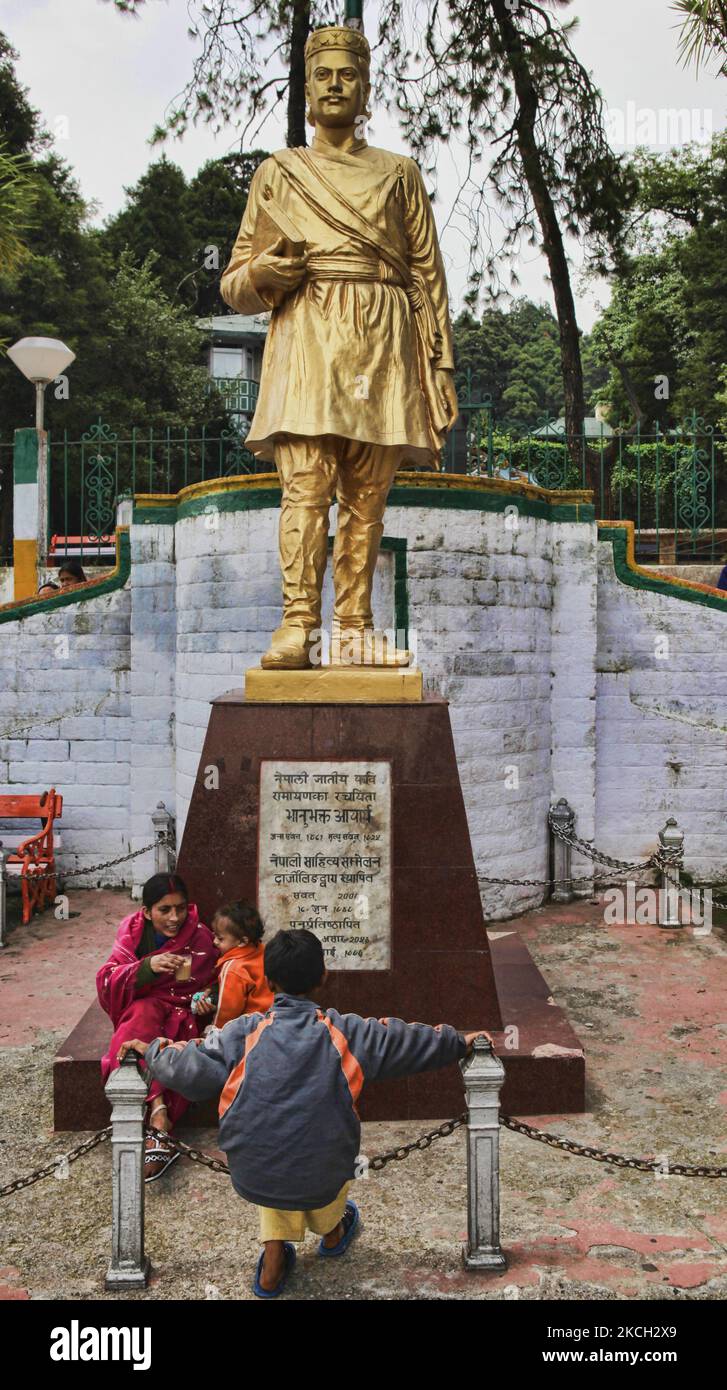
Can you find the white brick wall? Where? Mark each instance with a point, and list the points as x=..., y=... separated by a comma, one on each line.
x=548, y=661
x=153, y=647
x=661, y=723
x=65, y=683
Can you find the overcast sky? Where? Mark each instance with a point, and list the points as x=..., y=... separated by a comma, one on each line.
x=106, y=80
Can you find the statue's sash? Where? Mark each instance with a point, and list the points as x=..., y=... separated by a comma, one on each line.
x=304, y=175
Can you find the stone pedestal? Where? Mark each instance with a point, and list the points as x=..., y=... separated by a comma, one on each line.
x=439, y=967
x=425, y=954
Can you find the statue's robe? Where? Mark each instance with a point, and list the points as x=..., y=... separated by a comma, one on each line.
x=355, y=350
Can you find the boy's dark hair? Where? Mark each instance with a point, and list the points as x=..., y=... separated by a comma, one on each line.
x=294, y=961
x=159, y=885
x=244, y=919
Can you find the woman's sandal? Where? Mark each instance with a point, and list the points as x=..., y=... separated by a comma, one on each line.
x=290, y=1257
x=158, y=1155
x=351, y=1221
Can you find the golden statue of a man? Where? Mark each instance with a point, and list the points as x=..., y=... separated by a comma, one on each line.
x=357, y=375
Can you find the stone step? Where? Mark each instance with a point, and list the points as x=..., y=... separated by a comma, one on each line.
x=545, y=1071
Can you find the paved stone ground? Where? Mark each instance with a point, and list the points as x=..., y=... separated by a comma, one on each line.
x=650, y=1008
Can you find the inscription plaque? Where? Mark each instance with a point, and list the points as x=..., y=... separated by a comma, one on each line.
x=324, y=856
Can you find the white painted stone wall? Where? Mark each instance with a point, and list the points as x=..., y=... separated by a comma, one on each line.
x=661, y=723
x=153, y=657
x=548, y=662
x=64, y=722
x=480, y=597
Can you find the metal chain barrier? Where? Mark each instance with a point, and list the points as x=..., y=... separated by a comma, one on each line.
x=541, y=1136
x=442, y=1131
x=659, y=860
x=84, y=1148
x=644, y=1165
x=423, y=1142
x=164, y=839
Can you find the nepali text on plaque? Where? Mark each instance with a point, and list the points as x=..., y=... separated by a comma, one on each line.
x=324, y=856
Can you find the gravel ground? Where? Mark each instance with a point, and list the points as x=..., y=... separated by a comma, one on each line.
x=648, y=1010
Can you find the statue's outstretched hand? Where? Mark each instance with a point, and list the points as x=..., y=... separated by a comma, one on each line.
x=272, y=271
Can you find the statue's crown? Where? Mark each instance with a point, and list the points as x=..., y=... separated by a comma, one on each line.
x=337, y=36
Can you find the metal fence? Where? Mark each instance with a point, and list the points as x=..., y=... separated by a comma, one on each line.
x=88, y=475
x=671, y=484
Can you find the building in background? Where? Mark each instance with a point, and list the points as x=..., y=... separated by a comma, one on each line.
x=236, y=343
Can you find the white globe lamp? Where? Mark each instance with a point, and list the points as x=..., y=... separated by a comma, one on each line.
x=41, y=360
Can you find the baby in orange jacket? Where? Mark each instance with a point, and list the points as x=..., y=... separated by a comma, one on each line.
x=241, y=985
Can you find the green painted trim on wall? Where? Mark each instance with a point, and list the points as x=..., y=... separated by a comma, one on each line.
x=25, y=456
x=458, y=497
x=462, y=499
x=96, y=588
x=155, y=516
x=401, y=584
x=636, y=577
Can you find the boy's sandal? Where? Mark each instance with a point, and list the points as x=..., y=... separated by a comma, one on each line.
x=257, y=1288
x=157, y=1158
x=351, y=1222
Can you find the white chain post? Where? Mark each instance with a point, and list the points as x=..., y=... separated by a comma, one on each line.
x=671, y=838
x=564, y=817
x=126, y=1090
x=163, y=822
x=3, y=896
x=483, y=1075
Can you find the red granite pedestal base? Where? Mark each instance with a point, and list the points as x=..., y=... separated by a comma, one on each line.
x=442, y=968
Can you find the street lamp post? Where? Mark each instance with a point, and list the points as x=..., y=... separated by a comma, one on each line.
x=41, y=360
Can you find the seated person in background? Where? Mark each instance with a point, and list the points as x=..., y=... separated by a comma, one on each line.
x=161, y=955
x=48, y=588
x=241, y=985
x=71, y=573
x=290, y=1082
x=722, y=581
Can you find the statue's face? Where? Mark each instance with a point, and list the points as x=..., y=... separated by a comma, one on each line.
x=335, y=89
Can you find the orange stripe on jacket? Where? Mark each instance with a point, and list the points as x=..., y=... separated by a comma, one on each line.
x=237, y=1076
x=351, y=1069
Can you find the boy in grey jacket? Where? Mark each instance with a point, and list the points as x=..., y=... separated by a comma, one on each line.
x=289, y=1082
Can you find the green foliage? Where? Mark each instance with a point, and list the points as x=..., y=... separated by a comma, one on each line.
x=154, y=221
x=154, y=375
x=189, y=227
x=668, y=314
x=19, y=121
x=17, y=206
x=704, y=32
x=514, y=357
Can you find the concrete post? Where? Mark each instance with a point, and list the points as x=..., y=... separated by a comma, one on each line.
x=483, y=1075
x=564, y=817
x=124, y=512
x=671, y=838
x=126, y=1090
x=30, y=510
x=163, y=822
x=3, y=896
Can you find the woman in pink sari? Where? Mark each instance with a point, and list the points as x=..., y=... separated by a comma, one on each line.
x=143, y=989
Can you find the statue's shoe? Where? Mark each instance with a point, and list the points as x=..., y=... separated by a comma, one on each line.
x=353, y=647
x=289, y=650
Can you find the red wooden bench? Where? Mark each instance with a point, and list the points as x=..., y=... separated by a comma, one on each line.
x=33, y=857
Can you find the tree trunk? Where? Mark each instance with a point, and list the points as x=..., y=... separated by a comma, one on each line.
x=570, y=347
x=300, y=27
